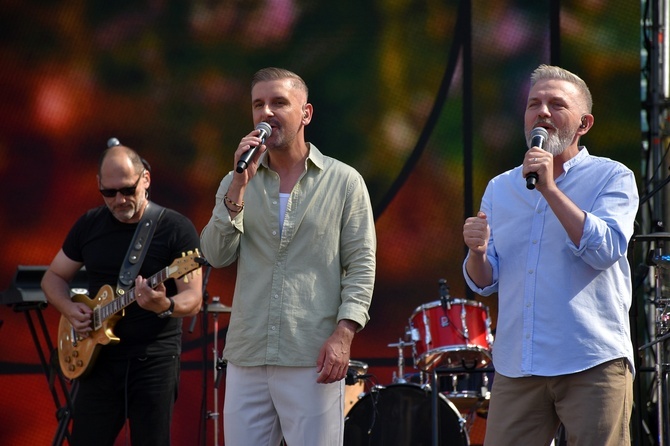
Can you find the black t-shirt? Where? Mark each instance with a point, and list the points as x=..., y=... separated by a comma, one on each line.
x=100, y=241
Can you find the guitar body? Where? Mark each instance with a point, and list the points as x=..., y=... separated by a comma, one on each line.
x=77, y=356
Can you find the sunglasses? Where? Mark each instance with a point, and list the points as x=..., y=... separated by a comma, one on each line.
x=125, y=191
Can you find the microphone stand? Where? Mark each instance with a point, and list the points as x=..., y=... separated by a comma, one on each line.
x=445, y=298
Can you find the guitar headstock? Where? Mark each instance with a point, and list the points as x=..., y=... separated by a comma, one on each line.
x=188, y=262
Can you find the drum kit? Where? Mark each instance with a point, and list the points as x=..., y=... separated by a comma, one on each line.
x=445, y=402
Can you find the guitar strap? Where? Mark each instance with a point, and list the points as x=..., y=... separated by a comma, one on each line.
x=138, y=247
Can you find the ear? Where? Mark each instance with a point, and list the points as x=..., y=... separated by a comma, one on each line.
x=307, y=112
x=586, y=124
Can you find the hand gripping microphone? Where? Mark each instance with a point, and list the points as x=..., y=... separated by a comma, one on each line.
x=537, y=138
x=266, y=131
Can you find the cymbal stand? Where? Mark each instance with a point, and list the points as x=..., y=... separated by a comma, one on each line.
x=218, y=363
x=214, y=415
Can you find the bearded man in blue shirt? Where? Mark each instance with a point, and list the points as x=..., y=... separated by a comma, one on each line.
x=556, y=256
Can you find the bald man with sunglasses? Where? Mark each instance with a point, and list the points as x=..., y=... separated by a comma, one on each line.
x=135, y=379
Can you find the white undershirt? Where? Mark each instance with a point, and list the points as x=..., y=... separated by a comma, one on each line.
x=283, y=200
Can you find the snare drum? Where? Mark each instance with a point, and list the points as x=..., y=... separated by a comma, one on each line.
x=455, y=335
x=354, y=392
x=401, y=415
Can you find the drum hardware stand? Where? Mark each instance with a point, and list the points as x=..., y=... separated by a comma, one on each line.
x=400, y=377
x=434, y=394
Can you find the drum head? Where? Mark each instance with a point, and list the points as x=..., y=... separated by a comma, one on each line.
x=401, y=415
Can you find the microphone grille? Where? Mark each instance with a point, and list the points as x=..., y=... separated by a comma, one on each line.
x=539, y=131
x=265, y=127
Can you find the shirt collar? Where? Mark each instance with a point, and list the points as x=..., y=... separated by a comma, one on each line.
x=581, y=156
x=315, y=157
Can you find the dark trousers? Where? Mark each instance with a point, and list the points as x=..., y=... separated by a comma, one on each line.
x=141, y=390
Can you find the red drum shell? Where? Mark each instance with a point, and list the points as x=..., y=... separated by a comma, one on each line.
x=455, y=336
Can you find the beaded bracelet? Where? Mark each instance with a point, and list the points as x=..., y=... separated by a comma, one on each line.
x=227, y=200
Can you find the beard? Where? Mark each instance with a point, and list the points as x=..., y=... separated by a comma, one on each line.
x=127, y=211
x=557, y=142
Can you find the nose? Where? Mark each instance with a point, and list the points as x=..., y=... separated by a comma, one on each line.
x=266, y=111
x=543, y=110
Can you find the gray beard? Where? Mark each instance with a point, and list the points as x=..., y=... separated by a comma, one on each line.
x=559, y=141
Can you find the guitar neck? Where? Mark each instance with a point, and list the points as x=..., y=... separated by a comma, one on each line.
x=122, y=301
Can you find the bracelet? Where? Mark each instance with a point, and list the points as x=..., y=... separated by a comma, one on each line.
x=227, y=200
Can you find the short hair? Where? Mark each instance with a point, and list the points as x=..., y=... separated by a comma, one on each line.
x=275, y=74
x=544, y=72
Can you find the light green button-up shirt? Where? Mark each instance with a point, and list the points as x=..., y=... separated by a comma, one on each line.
x=294, y=284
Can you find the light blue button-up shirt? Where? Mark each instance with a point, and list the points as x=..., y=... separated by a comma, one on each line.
x=561, y=308
x=294, y=285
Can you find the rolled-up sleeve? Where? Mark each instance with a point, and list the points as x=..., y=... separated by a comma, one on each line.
x=610, y=223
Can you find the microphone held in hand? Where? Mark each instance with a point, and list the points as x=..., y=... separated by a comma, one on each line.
x=538, y=136
x=243, y=163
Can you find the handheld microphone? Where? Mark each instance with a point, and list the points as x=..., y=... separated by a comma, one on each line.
x=243, y=163
x=538, y=136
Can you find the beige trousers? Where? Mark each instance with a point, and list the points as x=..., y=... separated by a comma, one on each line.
x=594, y=406
x=265, y=403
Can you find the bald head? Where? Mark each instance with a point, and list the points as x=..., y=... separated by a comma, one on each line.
x=120, y=155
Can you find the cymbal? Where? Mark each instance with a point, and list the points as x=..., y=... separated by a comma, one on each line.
x=217, y=307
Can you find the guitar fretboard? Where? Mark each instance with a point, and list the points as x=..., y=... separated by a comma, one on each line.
x=104, y=312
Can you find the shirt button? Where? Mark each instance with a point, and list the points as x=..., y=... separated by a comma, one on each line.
x=273, y=328
x=276, y=296
x=527, y=335
x=274, y=202
x=274, y=232
x=534, y=242
x=528, y=305
x=539, y=211
x=530, y=271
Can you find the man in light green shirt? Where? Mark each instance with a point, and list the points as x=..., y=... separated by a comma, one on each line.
x=300, y=226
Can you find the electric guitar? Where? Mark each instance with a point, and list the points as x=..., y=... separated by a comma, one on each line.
x=76, y=355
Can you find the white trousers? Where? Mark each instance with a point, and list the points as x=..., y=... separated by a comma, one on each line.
x=264, y=404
